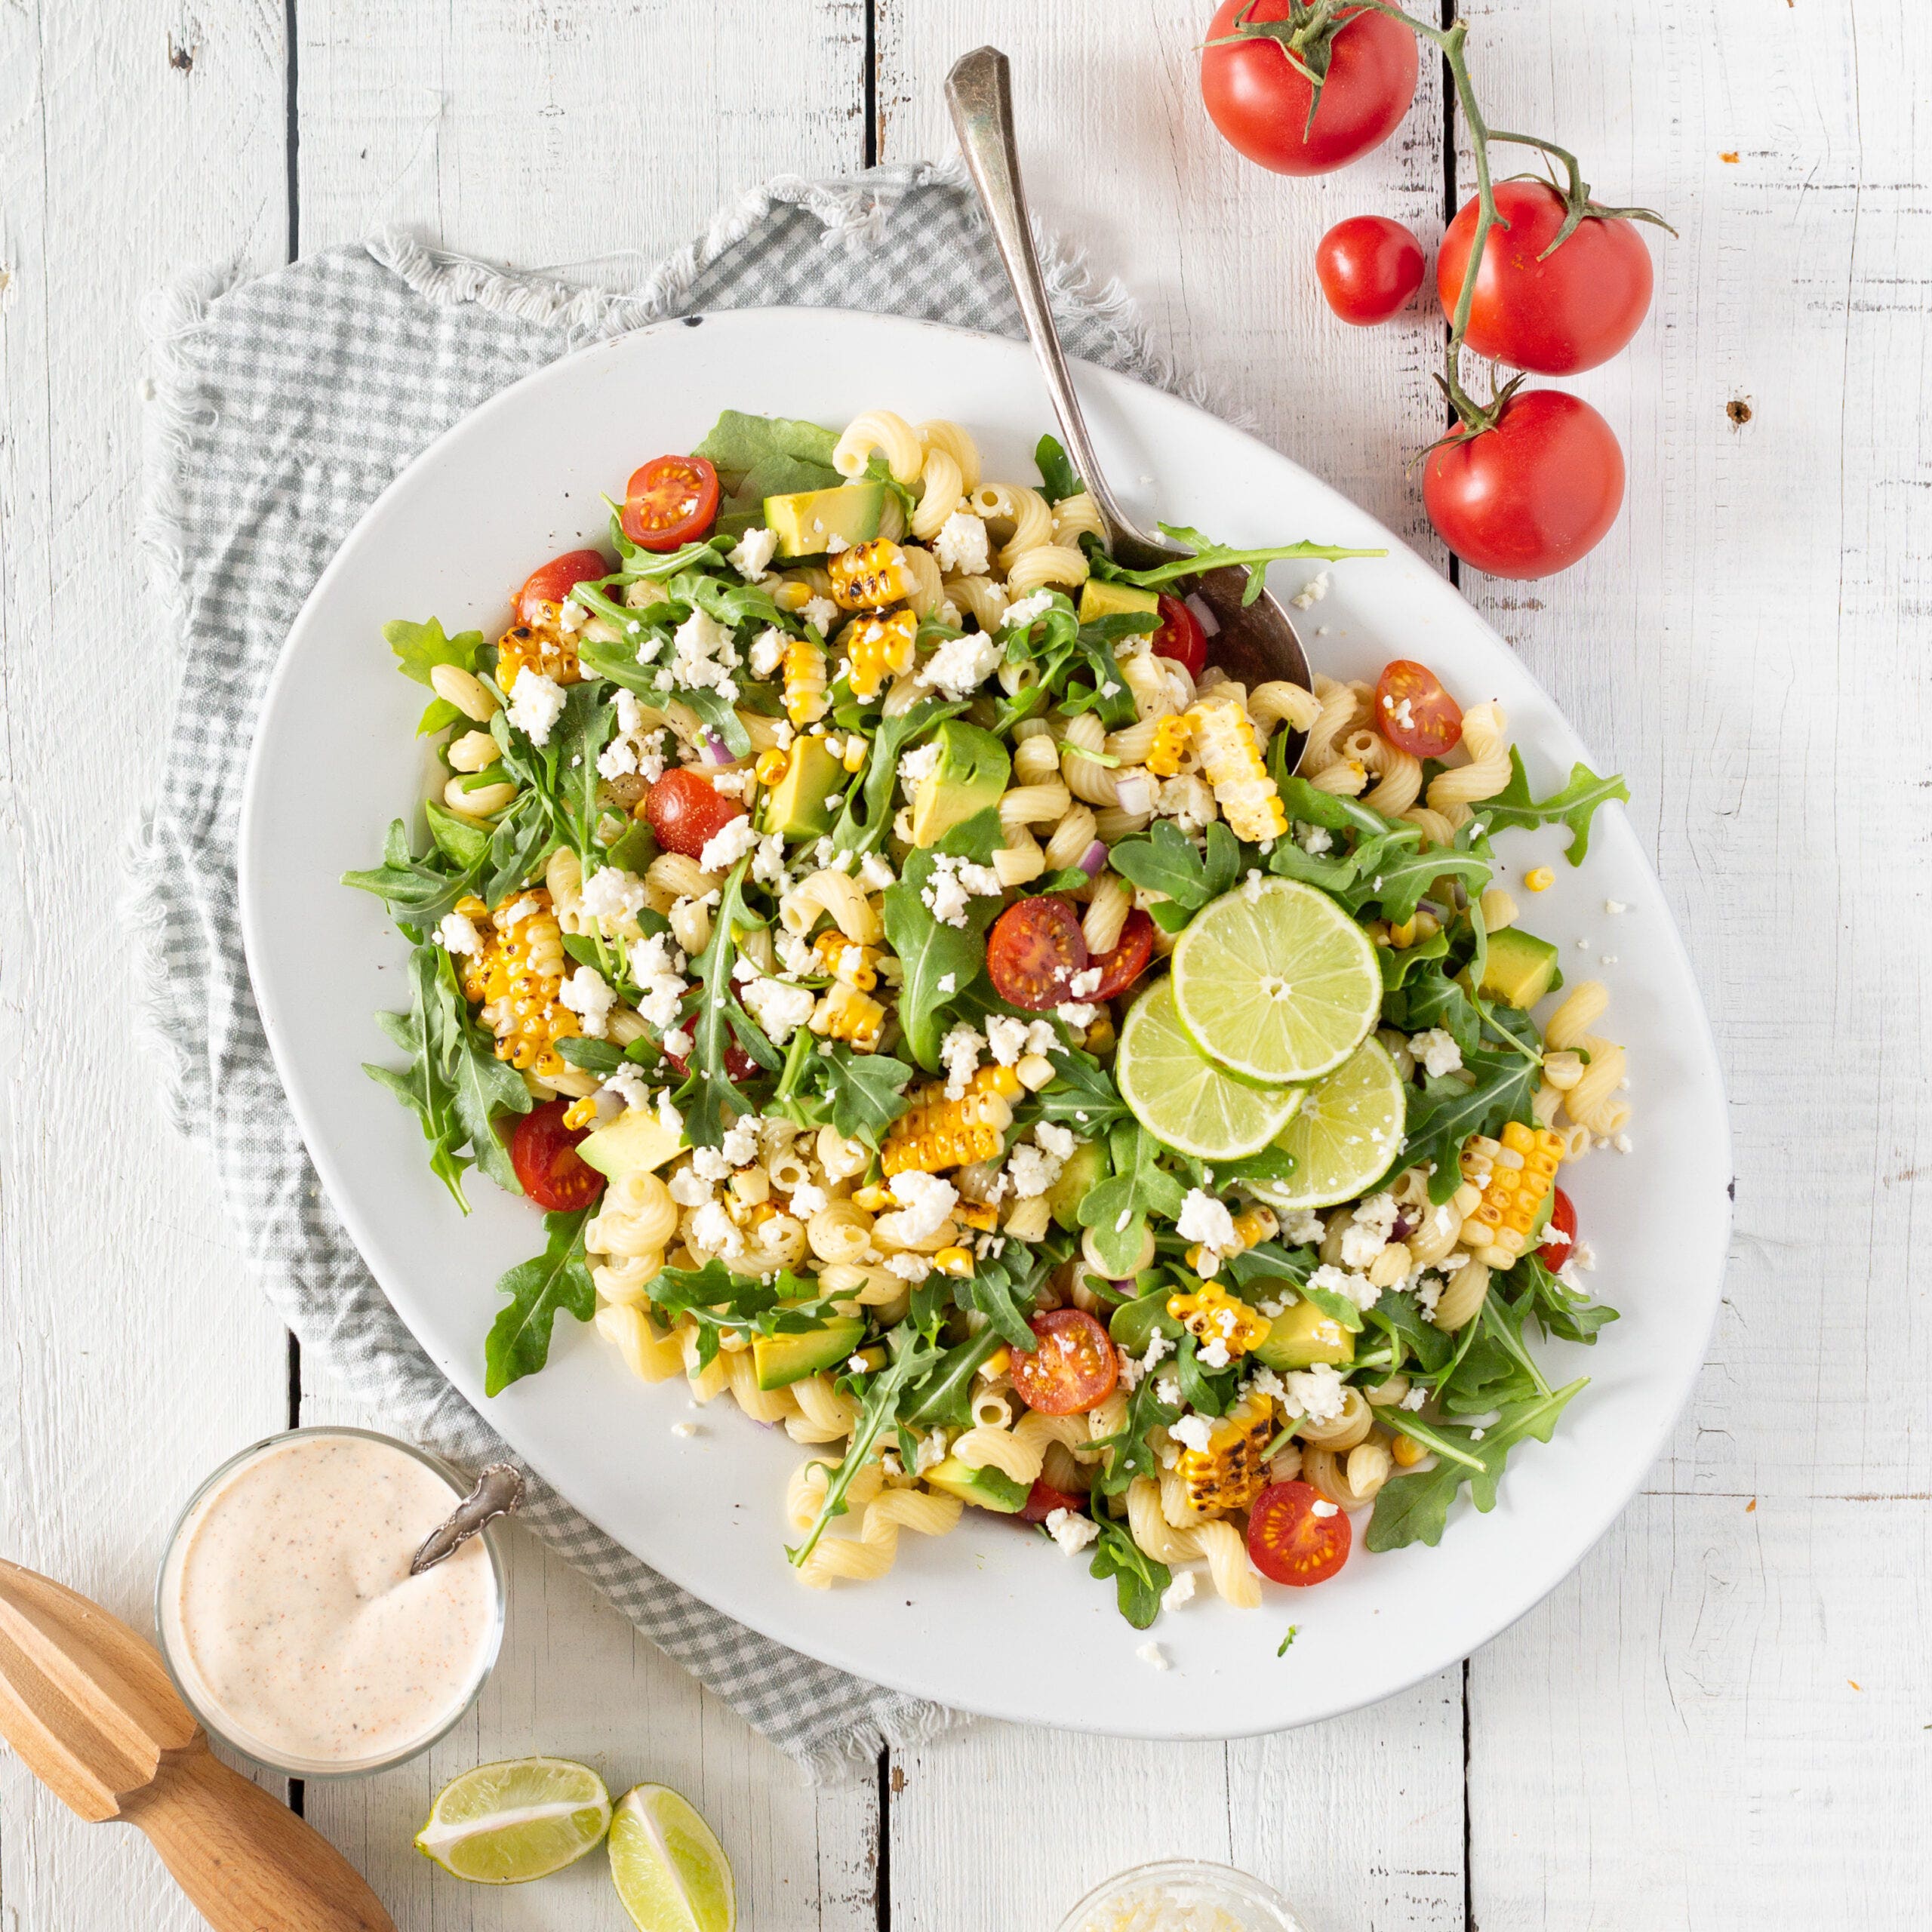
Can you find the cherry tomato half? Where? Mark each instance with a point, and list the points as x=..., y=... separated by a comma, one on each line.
x=1554, y=313
x=1260, y=100
x=1033, y=950
x=543, y=1151
x=1562, y=1223
x=1043, y=1500
x=739, y=1065
x=671, y=500
x=1413, y=712
x=1120, y=968
x=1529, y=497
x=553, y=582
x=687, y=811
x=1289, y=1542
x=1368, y=266
x=1073, y=1370
x=1180, y=637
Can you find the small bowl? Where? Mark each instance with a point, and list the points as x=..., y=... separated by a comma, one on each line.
x=1248, y=1904
x=187, y=1678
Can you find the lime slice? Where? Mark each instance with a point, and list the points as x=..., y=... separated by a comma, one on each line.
x=503, y=1824
x=1180, y=1097
x=1348, y=1130
x=669, y=1869
x=1276, y=981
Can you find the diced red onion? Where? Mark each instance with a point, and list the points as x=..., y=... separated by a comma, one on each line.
x=1093, y=859
x=716, y=749
x=1136, y=794
x=1203, y=616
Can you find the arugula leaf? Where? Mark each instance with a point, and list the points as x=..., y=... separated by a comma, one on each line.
x=1294, y=1631
x=931, y=952
x=1166, y=861
x=419, y=889
x=583, y=729
x=520, y=843
x=1444, y=1113
x=1081, y=1094
x=1402, y=877
x=1117, y=1208
x=556, y=1281
x=866, y=1092
x=465, y=845
x=1057, y=480
x=481, y=1085
x=994, y=1290
x=419, y=648
x=1571, y=1316
x=1132, y=1455
x=1415, y=1508
x=1574, y=806
x=1398, y=1314
x=737, y=442
x=943, y=1398
x=716, y=1019
x=592, y=1056
x=1209, y=555
x=1140, y=1582
x=1427, y=996
x=1494, y=1366
x=1200, y=1389
x=867, y=816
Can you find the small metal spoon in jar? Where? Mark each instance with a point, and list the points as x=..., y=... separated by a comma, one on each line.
x=499, y=1490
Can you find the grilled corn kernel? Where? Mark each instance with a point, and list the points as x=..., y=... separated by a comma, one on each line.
x=1407, y=1451
x=953, y=1261
x=1035, y=1070
x=929, y=1153
x=844, y=1013
x=539, y=647
x=515, y=976
x=804, y=682
x=854, y=759
x=1214, y=1315
x=1540, y=879
x=846, y=959
x=1170, y=745
x=874, y=1199
x=1516, y=1175
x=772, y=766
x=976, y=1214
x=1229, y=1474
x=878, y=645
x=868, y=576
x=581, y=1113
x=1231, y=759
x=987, y=1102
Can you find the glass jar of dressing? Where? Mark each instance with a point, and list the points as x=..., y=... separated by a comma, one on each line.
x=1181, y=1895
x=288, y=1618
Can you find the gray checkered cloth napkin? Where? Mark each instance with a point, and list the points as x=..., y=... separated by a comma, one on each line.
x=281, y=407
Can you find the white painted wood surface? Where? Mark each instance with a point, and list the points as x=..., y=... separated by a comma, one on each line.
x=1719, y=1722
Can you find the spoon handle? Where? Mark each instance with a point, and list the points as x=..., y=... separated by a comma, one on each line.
x=247, y=1863
x=979, y=92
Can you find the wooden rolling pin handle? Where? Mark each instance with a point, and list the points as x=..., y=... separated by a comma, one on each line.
x=248, y=1862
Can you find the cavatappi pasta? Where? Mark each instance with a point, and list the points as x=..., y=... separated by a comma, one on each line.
x=792, y=879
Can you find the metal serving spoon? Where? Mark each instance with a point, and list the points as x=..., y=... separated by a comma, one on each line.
x=499, y=1490
x=1255, y=642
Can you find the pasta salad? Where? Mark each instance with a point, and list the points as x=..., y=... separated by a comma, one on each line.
x=934, y=1006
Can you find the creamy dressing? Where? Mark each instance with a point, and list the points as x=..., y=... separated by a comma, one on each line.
x=287, y=1607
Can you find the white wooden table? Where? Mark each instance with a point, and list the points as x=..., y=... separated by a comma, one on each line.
x=1724, y=1719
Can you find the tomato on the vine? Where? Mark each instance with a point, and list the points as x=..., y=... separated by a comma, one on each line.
x=1414, y=713
x=1529, y=496
x=1561, y=1231
x=554, y=1174
x=552, y=583
x=1180, y=636
x=1368, y=266
x=1073, y=1369
x=1128, y=960
x=1259, y=98
x=1554, y=313
x=1294, y=1536
x=670, y=501
x=687, y=811
x=1033, y=950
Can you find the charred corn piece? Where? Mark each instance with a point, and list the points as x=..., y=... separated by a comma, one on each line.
x=581, y=1113
x=540, y=646
x=1232, y=762
x=1229, y=1474
x=976, y=1214
x=1253, y=1226
x=514, y=978
x=844, y=1012
x=1215, y=1316
x=1170, y=746
x=804, y=682
x=928, y=1153
x=847, y=960
x=987, y=1102
x=953, y=1261
x=879, y=646
x=868, y=576
x=1520, y=1171
x=772, y=766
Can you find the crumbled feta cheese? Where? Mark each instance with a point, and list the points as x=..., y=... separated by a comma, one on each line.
x=961, y=546
x=1303, y=1229
x=1031, y=1171
x=932, y=1451
x=913, y=1268
x=750, y=555
x=1267, y=1382
x=1314, y=839
x=613, y=894
x=1083, y=985
x=953, y=882
x=1193, y=1432
x=457, y=934
x=781, y=1010
x=587, y=993
x=703, y=656
x=684, y=1429
x=808, y=1197
x=1075, y=1013
x=714, y=1230
x=1615, y=906
x=1312, y=591
x=1358, y=1288
x=1152, y=1653
x=821, y=614
x=1058, y=1141
x=1368, y=1230
x=1323, y=1508
x=677, y=1043
x=1318, y=1393
x=729, y=844
x=1215, y=1355
x=1167, y=1391
x=688, y=1187
x=626, y=1082
x=924, y=1201
x=768, y=650
x=959, y=1052
x=1436, y=1051
x=1414, y=1399
x=536, y=704
x=922, y=762
x=876, y=872
x=946, y=984
x=961, y=664
x=1180, y=1591
x=1204, y=1219
x=1072, y=1531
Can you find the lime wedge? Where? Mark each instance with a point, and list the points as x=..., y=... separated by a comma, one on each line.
x=1347, y=1132
x=1180, y=1097
x=1276, y=981
x=503, y=1824
x=669, y=1869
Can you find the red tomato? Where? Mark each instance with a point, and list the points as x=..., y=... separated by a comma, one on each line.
x=1529, y=497
x=1562, y=1221
x=1413, y=712
x=1368, y=267
x=1073, y=1370
x=671, y=500
x=1035, y=948
x=1289, y=1542
x=1044, y=1500
x=1571, y=311
x=1120, y=968
x=687, y=812
x=1260, y=103
x=543, y=1151
x=554, y=582
x=739, y=1065
x=1180, y=637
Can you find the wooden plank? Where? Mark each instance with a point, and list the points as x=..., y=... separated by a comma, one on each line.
x=138, y=1353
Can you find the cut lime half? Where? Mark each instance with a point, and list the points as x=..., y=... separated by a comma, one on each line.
x=1179, y=1096
x=504, y=1824
x=1348, y=1129
x=669, y=1868
x=1276, y=981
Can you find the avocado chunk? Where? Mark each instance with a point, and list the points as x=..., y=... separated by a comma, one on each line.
x=1520, y=968
x=805, y=521
x=778, y=1359
x=990, y=1488
x=969, y=778
x=1101, y=599
x=799, y=806
x=1079, y=1176
x=1303, y=1336
x=635, y=1142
